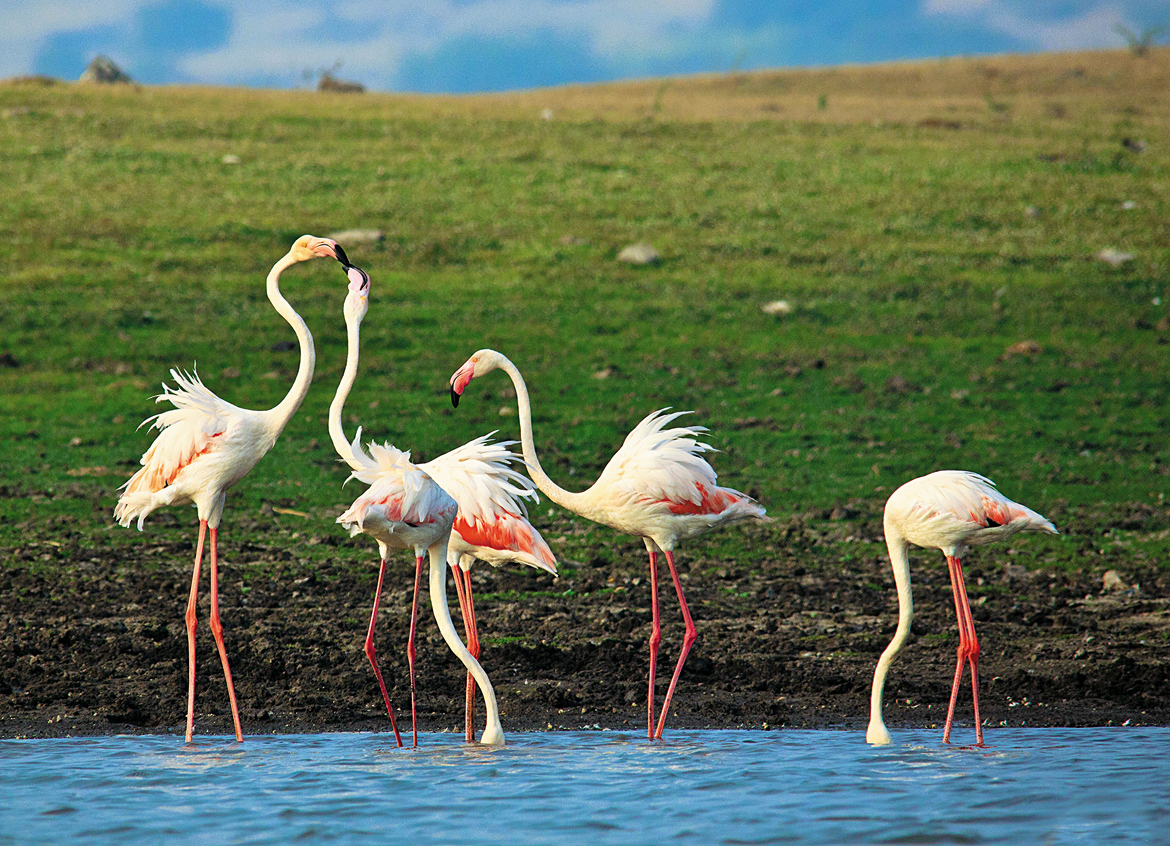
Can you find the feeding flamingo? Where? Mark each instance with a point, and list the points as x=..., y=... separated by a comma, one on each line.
x=404, y=508
x=949, y=510
x=656, y=486
x=492, y=525
x=205, y=445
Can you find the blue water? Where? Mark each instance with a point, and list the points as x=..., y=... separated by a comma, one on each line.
x=698, y=787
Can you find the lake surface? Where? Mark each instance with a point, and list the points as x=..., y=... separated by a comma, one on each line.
x=1028, y=786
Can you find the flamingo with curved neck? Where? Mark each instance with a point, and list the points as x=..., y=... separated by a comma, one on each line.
x=949, y=510
x=205, y=445
x=656, y=486
x=404, y=508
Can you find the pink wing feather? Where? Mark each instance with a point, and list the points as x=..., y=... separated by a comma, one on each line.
x=492, y=513
x=187, y=431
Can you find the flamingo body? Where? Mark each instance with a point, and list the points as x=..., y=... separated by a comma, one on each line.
x=657, y=486
x=205, y=445
x=403, y=508
x=492, y=524
x=948, y=510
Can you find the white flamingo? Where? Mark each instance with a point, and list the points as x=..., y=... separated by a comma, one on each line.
x=205, y=445
x=949, y=510
x=404, y=508
x=657, y=486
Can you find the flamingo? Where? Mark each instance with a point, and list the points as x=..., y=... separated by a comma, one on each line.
x=404, y=508
x=948, y=510
x=205, y=445
x=656, y=486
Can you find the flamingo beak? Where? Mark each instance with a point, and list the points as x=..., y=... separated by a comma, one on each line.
x=460, y=380
x=340, y=255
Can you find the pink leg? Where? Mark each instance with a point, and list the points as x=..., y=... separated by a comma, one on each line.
x=217, y=630
x=192, y=624
x=469, y=709
x=655, y=640
x=688, y=642
x=410, y=650
x=373, y=657
x=967, y=653
x=474, y=649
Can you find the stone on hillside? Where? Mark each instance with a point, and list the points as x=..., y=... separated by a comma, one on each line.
x=1114, y=258
x=1022, y=348
x=329, y=82
x=639, y=254
x=1113, y=582
x=357, y=236
x=104, y=69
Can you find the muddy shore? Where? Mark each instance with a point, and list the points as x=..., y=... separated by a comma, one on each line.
x=93, y=642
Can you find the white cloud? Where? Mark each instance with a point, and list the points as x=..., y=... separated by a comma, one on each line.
x=1044, y=25
x=28, y=23
x=371, y=40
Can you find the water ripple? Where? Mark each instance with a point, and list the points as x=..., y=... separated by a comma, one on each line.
x=792, y=787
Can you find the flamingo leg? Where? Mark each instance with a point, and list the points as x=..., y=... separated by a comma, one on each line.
x=370, y=653
x=474, y=649
x=192, y=624
x=967, y=653
x=655, y=640
x=688, y=641
x=411, y=652
x=469, y=713
x=217, y=631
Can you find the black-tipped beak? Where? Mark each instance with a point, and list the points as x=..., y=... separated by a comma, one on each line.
x=342, y=257
x=454, y=397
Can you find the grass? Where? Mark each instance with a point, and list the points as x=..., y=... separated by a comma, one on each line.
x=919, y=234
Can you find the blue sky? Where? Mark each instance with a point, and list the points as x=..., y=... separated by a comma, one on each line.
x=491, y=45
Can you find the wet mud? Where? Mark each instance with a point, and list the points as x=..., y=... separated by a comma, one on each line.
x=93, y=641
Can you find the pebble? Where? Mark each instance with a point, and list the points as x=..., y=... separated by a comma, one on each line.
x=640, y=254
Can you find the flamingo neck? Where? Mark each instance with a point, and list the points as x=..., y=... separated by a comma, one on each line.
x=547, y=486
x=287, y=407
x=900, y=562
x=336, y=432
x=493, y=733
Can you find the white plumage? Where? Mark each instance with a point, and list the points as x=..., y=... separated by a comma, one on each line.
x=948, y=510
x=228, y=441
x=205, y=445
x=954, y=509
x=404, y=508
x=656, y=486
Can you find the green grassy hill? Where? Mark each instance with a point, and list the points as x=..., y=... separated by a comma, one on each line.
x=934, y=227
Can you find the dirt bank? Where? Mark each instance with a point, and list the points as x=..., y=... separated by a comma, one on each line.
x=93, y=642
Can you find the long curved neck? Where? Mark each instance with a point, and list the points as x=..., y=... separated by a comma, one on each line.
x=336, y=433
x=547, y=486
x=900, y=562
x=287, y=407
x=493, y=734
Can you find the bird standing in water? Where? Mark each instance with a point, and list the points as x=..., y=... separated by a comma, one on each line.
x=656, y=486
x=404, y=508
x=205, y=445
x=949, y=510
x=492, y=525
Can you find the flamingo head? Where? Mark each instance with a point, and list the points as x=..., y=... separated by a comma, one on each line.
x=309, y=247
x=357, y=301
x=484, y=361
